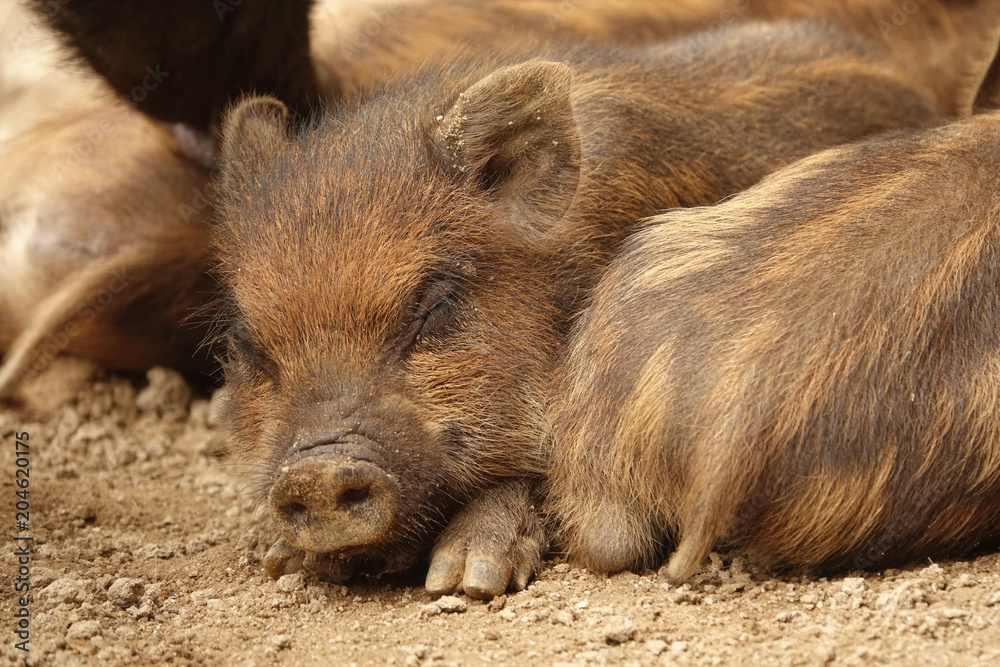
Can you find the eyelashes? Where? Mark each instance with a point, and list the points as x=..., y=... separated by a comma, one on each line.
x=436, y=310
x=242, y=348
x=434, y=313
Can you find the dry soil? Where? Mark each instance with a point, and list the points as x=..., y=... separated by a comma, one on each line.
x=143, y=551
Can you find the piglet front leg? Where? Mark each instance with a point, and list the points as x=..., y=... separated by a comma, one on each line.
x=494, y=543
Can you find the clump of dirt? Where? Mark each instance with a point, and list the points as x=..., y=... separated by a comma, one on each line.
x=144, y=552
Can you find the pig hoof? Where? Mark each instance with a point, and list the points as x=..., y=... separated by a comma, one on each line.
x=495, y=543
x=485, y=580
x=445, y=574
x=457, y=567
x=481, y=576
x=282, y=558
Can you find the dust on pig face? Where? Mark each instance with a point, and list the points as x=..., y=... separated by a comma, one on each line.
x=388, y=336
x=401, y=274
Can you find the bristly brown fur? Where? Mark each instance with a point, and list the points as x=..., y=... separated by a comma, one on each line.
x=505, y=183
x=945, y=45
x=937, y=50
x=807, y=371
x=188, y=59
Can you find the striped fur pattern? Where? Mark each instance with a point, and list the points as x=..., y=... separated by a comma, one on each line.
x=808, y=371
x=496, y=189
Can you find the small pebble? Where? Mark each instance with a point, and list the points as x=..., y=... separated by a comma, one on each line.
x=65, y=591
x=167, y=394
x=678, y=647
x=854, y=585
x=83, y=630
x=619, y=630
x=125, y=592
x=430, y=610
x=451, y=604
x=282, y=641
x=290, y=583
x=656, y=646
x=563, y=617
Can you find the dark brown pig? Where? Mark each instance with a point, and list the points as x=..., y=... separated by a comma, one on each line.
x=180, y=63
x=806, y=372
x=400, y=274
x=184, y=61
x=187, y=59
x=94, y=170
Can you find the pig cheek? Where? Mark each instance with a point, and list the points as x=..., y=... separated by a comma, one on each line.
x=434, y=423
x=252, y=410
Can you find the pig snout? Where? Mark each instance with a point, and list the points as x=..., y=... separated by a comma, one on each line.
x=327, y=499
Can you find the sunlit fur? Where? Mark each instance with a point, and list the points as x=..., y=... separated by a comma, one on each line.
x=939, y=43
x=328, y=238
x=936, y=49
x=808, y=371
x=105, y=255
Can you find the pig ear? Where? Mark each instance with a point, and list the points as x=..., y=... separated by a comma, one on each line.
x=253, y=130
x=514, y=132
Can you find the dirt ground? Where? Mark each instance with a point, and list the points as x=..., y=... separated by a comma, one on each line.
x=144, y=552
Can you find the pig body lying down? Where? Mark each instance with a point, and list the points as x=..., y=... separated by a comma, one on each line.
x=808, y=371
x=400, y=275
x=98, y=259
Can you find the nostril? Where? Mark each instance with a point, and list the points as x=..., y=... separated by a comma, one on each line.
x=293, y=512
x=324, y=504
x=297, y=513
x=353, y=498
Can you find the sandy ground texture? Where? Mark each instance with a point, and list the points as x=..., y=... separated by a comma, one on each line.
x=144, y=552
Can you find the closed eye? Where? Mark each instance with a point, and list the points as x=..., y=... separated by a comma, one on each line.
x=243, y=348
x=433, y=314
x=434, y=317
